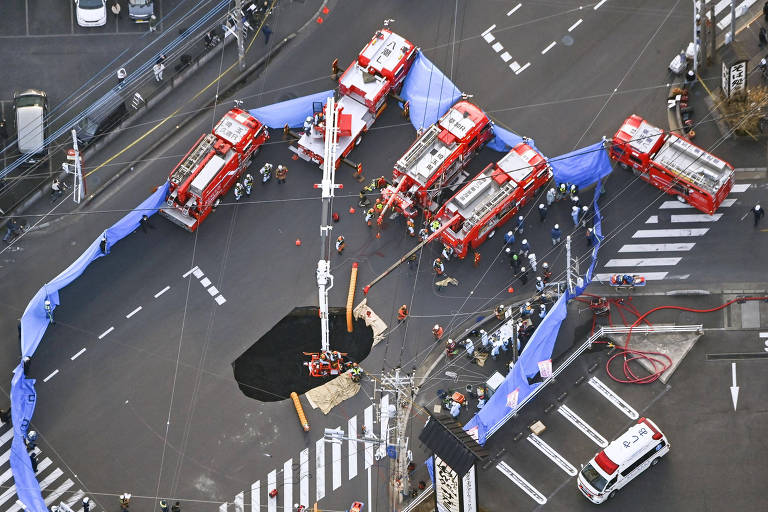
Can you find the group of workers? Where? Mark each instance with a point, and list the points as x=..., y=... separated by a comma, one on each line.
x=244, y=188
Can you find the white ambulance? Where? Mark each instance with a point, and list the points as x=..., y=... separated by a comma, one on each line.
x=632, y=453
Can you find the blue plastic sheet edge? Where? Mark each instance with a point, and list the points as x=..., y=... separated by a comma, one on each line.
x=34, y=322
x=428, y=91
x=291, y=112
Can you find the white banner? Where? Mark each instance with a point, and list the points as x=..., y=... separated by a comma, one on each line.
x=737, y=82
x=468, y=491
x=512, y=399
x=545, y=368
x=724, y=82
x=446, y=486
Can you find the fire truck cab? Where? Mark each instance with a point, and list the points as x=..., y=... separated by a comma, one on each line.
x=493, y=197
x=673, y=164
x=425, y=173
x=379, y=69
x=211, y=167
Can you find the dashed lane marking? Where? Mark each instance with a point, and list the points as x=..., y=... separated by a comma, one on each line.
x=522, y=483
x=213, y=291
x=657, y=247
x=551, y=45
x=613, y=398
x=506, y=57
x=514, y=66
x=78, y=354
x=703, y=217
x=197, y=273
x=552, y=454
x=220, y=300
x=129, y=315
x=189, y=272
x=514, y=9
x=642, y=262
x=740, y=187
x=51, y=375
x=497, y=47
x=106, y=332
x=653, y=219
x=489, y=38
x=583, y=426
x=667, y=233
x=488, y=30
x=205, y=282
x=527, y=64
x=599, y=4
x=162, y=291
x=572, y=27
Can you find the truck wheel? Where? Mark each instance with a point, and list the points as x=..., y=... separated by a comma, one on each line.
x=612, y=495
x=655, y=461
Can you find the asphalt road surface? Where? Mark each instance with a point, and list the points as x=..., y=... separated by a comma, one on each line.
x=144, y=400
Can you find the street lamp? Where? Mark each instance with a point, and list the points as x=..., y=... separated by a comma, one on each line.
x=696, y=18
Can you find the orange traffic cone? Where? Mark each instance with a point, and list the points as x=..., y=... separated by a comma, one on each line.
x=298, y=242
x=511, y=290
x=378, y=234
x=352, y=209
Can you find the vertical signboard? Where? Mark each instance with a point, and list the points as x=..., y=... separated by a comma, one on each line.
x=446, y=487
x=469, y=491
x=737, y=79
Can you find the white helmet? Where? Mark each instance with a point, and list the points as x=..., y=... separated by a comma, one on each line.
x=527, y=304
x=585, y=208
x=545, y=265
x=541, y=205
x=552, y=189
x=436, y=327
x=757, y=207
x=509, y=233
x=575, y=209
x=525, y=241
x=280, y=167
x=538, y=278
x=508, y=250
x=520, y=217
x=309, y=119
x=557, y=226
x=522, y=269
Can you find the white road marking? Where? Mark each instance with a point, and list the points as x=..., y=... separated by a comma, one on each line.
x=256, y=495
x=239, y=502
x=205, y=282
x=597, y=6
x=352, y=445
x=197, y=273
x=674, y=205
x=489, y=38
x=764, y=334
x=514, y=9
x=741, y=187
x=52, y=476
x=572, y=27
x=703, y=217
x=78, y=354
x=368, y=422
x=129, y=315
x=5, y=476
x=336, y=463
x=106, y=332
x=497, y=47
x=506, y=57
x=653, y=219
x=58, y=492
x=527, y=64
x=642, y=262
x=552, y=454
x=288, y=485
x=75, y=498
x=7, y=435
x=220, y=300
x=189, y=272
x=213, y=291
x=319, y=469
x=7, y=455
x=162, y=291
x=583, y=426
x=649, y=276
x=521, y=482
x=224, y=507
x=666, y=233
x=514, y=66
x=551, y=45
x=488, y=29
x=656, y=247
x=272, y=484
x=303, y=478
x=613, y=398
x=51, y=375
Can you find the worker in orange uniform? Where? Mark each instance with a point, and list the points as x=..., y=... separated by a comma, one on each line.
x=340, y=244
x=437, y=331
x=438, y=266
x=411, y=228
x=402, y=313
x=378, y=206
x=476, y=258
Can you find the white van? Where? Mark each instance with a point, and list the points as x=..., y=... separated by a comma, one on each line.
x=31, y=107
x=635, y=451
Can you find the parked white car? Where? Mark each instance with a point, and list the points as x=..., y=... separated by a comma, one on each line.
x=91, y=13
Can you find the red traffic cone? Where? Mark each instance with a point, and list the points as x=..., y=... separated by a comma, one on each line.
x=298, y=242
x=352, y=209
x=378, y=234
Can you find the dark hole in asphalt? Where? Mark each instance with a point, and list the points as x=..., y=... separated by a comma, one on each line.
x=274, y=365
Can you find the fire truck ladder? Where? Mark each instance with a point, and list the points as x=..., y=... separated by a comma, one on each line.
x=422, y=146
x=503, y=192
x=190, y=163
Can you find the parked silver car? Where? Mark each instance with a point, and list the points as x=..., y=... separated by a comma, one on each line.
x=141, y=10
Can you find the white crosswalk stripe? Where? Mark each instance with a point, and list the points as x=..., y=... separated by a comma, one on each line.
x=352, y=444
x=272, y=484
x=52, y=477
x=256, y=495
x=320, y=469
x=642, y=262
x=368, y=422
x=678, y=247
x=288, y=484
x=58, y=492
x=740, y=187
x=669, y=233
x=649, y=276
x=240, y=502
x=673, y=205
x=336, y=463
x=653, y=219
x=697, y=217
x=303, y=477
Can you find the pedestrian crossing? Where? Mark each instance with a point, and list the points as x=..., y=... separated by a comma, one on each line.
x=674, y=233
x=56, y=487
x=320, y=466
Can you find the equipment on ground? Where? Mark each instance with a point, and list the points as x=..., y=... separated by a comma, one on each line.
x=492, y=197
x=378, y=71
x=673, y=164
x=429, y=171
x=357, y=506
x=206, y=173
x=626, y=281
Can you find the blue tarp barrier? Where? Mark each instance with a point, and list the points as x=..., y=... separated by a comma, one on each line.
x=505, y=140
x=430, y=463
x=429, y=92
x=539, y=348
x=291, y=112
x=34, y=321
x=583, y=166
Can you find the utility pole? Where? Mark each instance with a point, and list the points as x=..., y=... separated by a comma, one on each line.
x=240, y=34
x=402, y=387
x=568, y=276
x=713, y=30
x=696, y=6
x=733, y=21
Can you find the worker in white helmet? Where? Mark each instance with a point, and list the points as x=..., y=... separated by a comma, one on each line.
x=308, y=123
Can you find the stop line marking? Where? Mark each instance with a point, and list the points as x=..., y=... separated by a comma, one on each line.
x=582, y=425
x=552, y=454
x=514, y=9
x=613, y=398
x=572, y=27
x=551, y=45
x=51, y=375
x=106, y=332
x=521, y=482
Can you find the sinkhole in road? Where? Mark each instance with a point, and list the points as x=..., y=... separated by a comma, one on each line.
x=274, y=365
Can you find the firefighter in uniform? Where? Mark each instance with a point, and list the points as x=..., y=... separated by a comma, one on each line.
x=476, y=258
x=369, y=217
x=450, y=348
x=379, y=206
x=546, y=274
x=402, y=313
x=308, y=123
x=434, y=225
x=238, y=191
x=438, y=266
x=423, y=234
x=248, y=182
x=411, y=228
x=437, y=331
x=447, y=252
x=340, y=244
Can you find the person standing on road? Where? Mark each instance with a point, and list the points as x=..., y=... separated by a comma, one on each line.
x=402, y=313
x=550, y=196
x=509, y=238
x=121, y=74
x=523, y=275
x=86, y=504
x=758, y=212
x=542, y=212
x=115, y=8
x=340, y=244
x=176, y=507
x=267, y=33
x=281, y=173
x=556, y=234
x=157, y=69
x=575, y=216
x=163, y=506
x=152, y=23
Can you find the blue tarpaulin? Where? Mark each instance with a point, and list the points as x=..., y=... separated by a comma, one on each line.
x=34, y=321
x=505, y=140
x=291, y=112
x=583, y=166
x=501, y=406
x=429, y=92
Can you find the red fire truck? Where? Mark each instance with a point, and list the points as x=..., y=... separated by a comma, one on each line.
x=492, y=197
x=379, y=69
x=672, y=163
x=211, y=167
x=425, y=173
